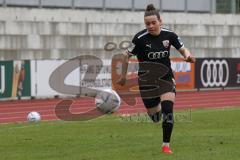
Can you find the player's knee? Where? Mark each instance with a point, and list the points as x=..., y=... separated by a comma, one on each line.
x=167, y=111
x=156, y=117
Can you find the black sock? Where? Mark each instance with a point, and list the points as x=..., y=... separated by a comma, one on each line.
x=167, y=124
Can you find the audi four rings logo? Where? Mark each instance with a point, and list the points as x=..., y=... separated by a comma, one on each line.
x=214, y=73
x=157, y=55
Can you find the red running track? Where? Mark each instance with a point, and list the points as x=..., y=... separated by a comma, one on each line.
x=16, y=111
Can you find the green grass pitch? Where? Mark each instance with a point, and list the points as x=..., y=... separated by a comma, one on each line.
x=199, y=134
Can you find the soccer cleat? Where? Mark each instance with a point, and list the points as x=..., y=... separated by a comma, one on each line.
x=167, y=150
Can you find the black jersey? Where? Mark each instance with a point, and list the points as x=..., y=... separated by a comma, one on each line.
x=150, y=48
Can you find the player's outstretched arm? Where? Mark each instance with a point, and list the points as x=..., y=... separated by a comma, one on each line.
x=125, y=58
x=187, y=55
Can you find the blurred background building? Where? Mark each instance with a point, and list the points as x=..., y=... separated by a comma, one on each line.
x=37, y=36
x=209, y=6
x=62, y=29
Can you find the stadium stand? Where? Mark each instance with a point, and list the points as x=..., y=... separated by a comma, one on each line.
x=52, y=29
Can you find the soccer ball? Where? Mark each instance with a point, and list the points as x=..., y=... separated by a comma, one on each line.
x=107, y=101
x=33, y=117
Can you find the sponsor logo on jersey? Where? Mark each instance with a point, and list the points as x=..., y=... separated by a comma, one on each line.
x=157, y=55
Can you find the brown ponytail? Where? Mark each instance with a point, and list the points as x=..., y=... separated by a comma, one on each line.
x=151, y=10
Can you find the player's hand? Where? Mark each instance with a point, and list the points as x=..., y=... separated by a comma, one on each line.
x=121, y=81
x=190, y=59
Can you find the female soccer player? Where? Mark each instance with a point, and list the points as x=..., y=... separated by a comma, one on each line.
x=155, y=77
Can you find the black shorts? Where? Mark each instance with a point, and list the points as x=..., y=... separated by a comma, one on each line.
x=151, y=92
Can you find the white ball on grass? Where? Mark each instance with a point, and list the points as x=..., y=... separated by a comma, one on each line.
x=33, y=117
